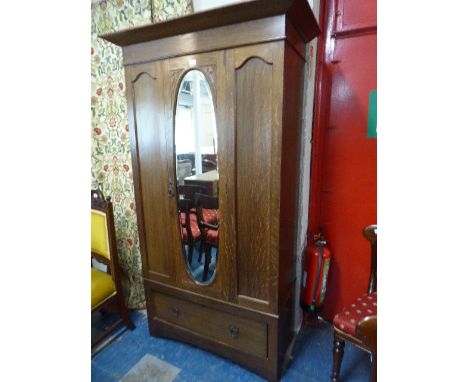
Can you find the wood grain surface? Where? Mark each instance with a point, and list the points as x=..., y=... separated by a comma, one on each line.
x=237, y=332
x=253, y=144
x=150, y=158
x=253, y=62
x=298, y=11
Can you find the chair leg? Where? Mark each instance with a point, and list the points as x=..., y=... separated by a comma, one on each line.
x=338, y=352
x=202, y=245
x=123, y=311
x=190, y=253
x=373, y=376
x=207, y=262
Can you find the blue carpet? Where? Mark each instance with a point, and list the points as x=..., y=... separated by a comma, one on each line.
x=312, y=358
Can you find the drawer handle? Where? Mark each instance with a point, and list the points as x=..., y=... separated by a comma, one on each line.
x=175, y=311
x=234, y=331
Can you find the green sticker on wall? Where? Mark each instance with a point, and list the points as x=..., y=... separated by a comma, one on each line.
x=372, y=116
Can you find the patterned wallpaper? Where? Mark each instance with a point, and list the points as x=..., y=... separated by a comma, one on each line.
x=111, y=167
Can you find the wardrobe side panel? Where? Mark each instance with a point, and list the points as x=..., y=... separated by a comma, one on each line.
x=150, y=157
x=290, y=166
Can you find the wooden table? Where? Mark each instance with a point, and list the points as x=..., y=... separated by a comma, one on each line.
x=208, y=179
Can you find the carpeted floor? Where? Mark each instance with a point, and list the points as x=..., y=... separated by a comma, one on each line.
x=312, y=358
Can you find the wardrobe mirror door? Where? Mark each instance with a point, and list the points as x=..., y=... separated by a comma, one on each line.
x=196, y=157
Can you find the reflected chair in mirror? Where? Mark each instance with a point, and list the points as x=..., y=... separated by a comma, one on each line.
x=208, y=165
x=209, y=229
x=188, y=192
x=189, y=230
x=357, y=323
x=211, y=157
x=106, y=288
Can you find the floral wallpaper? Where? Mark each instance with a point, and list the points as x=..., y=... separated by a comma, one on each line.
x=166, y=9
x=111, y=168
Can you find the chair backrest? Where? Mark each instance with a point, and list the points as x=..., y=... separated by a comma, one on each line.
x=370, y=233
x=205, y=202
x=189, y=191
x=103, y=242
x=208, y=165
x=185, y=206
x=99, y=235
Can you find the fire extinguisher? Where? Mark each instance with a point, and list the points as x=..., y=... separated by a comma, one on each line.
x=315, y=274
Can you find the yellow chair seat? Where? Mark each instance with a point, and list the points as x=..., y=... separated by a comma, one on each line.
x=102, y=287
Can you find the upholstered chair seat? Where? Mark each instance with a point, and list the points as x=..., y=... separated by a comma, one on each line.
x=102, y=287
x=209, y=215
x=193, y=217
x=106, y=288
x=193, y=227
x=348, y=320
x=357, y=322
x=212, y=237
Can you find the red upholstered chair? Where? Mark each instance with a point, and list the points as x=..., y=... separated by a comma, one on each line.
x=357, y=323
x=189, y=191
x=189, y=229
x=209, y=229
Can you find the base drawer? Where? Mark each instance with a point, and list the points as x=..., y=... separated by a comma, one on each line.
x=237, y=332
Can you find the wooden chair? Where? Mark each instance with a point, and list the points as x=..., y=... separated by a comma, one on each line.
x=189, y=191
x=208, y=165
x=189, y=230
x=106, y=287
x=208, y=228
x=357, y=323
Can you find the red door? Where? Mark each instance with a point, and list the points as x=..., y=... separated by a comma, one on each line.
x=344, y=162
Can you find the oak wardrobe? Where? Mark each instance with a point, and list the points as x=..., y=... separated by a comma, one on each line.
x=215, y=112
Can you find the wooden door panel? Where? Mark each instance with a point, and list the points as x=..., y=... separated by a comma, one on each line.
x=253, y=137
x=212, y=66
x=150, y=157
x=257, y=117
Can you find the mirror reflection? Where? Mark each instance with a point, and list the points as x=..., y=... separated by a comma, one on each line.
x=196, y=148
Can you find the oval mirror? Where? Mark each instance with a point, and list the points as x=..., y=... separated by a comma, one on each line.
x=196, y=151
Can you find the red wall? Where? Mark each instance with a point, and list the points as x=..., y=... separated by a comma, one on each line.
x=344, y=161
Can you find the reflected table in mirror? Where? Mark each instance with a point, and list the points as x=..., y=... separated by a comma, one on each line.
x=209, y=180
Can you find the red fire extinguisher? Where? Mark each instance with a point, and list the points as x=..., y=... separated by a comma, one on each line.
x=315, y=274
